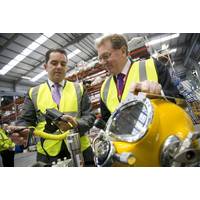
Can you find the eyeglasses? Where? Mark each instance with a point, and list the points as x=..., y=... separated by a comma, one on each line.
x=104, y=57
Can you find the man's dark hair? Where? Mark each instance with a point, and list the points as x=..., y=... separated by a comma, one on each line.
x=62, y=51
x=117, y=41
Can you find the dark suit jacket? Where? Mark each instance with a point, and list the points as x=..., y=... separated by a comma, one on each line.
x=85, y=122
x=163, y=78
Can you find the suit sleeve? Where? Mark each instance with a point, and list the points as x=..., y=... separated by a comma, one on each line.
x=28, y=116
x=164, y=79
x=86, y=121
x=105, y=113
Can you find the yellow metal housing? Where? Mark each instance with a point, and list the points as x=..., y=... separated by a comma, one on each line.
x=168, y=119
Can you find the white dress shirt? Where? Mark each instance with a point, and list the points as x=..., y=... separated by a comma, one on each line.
x=51, y=83
x=126, y=68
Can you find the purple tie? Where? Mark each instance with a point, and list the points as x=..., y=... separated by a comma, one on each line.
x=56, y=93
x=120, y=83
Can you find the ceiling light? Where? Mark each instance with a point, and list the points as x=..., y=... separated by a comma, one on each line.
x=26, y=52
x=163, y=39
x=48, y=35
x=13, y=62
x=34, y=45
x=5, y=69
x=43, y=38
x=165, y=46
x=165, y=52
x=73, y=53
x=26, y=77
x=40, y=75
x=20, y=57
x=172, y=50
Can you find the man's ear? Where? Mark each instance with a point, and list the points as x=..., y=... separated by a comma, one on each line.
x=45, y=66
x=123, y=49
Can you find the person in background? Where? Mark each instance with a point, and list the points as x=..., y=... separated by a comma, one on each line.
x=6, y=148
x=67, y=97
x=148, y=76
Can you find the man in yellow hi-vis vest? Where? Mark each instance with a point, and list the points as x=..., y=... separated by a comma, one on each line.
x=65, y=96
x=7, y=147
x=147, y=76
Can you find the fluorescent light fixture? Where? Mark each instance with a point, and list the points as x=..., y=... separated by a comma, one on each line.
x=20, y=57
x=48, y=35
x=43, y=38
x=73, y=53
x=156, y=54
x=34, y=45
x=5, y=69
x=163, y=39
x=26, y=51
x=40, y=75
x=9, y=66
x=26, y=77
x=165, y=46
x=172, y=50
x=13, y=62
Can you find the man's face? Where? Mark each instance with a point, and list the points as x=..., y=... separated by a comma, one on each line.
x=112, y=59
x=56, y=67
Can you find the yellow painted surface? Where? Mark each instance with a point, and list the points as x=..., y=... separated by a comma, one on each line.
x=169, y=119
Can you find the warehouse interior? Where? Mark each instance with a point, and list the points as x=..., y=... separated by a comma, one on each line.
x=22, y=56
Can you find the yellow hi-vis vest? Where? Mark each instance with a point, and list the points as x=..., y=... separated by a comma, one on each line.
x=5, y=141
x=70, y=103
x=139, y=71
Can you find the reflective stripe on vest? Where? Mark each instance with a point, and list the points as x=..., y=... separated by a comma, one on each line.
x=70, y=103
x=139, y=71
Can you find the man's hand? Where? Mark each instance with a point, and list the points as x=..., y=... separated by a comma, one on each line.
x=68, y=123
x=19, y=134
x=146, y=86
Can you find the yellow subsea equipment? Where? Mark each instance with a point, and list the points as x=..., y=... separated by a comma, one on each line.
x=148, y=132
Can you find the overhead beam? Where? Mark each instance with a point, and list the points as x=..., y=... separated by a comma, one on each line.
x=8, y=42
x=76, y=40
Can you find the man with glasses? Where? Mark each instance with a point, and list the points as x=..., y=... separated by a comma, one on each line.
x=64, y=96
x=148, y=76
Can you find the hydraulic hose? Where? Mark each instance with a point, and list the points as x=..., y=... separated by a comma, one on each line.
x=49, y=136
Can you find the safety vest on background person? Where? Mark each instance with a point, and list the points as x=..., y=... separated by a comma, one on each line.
x=5, y=141
x=70, y=103
x=139, y=71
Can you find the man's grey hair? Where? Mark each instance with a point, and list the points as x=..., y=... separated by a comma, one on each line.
x=117, y=41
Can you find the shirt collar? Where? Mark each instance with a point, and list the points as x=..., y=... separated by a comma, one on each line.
x=126, y=67
x=51, y=83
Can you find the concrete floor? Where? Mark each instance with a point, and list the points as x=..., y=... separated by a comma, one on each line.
x=25, y=159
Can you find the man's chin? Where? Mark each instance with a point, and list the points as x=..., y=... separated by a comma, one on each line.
x=111, y=71
x=58, y=80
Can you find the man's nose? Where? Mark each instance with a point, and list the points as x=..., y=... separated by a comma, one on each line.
x=59, y=65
